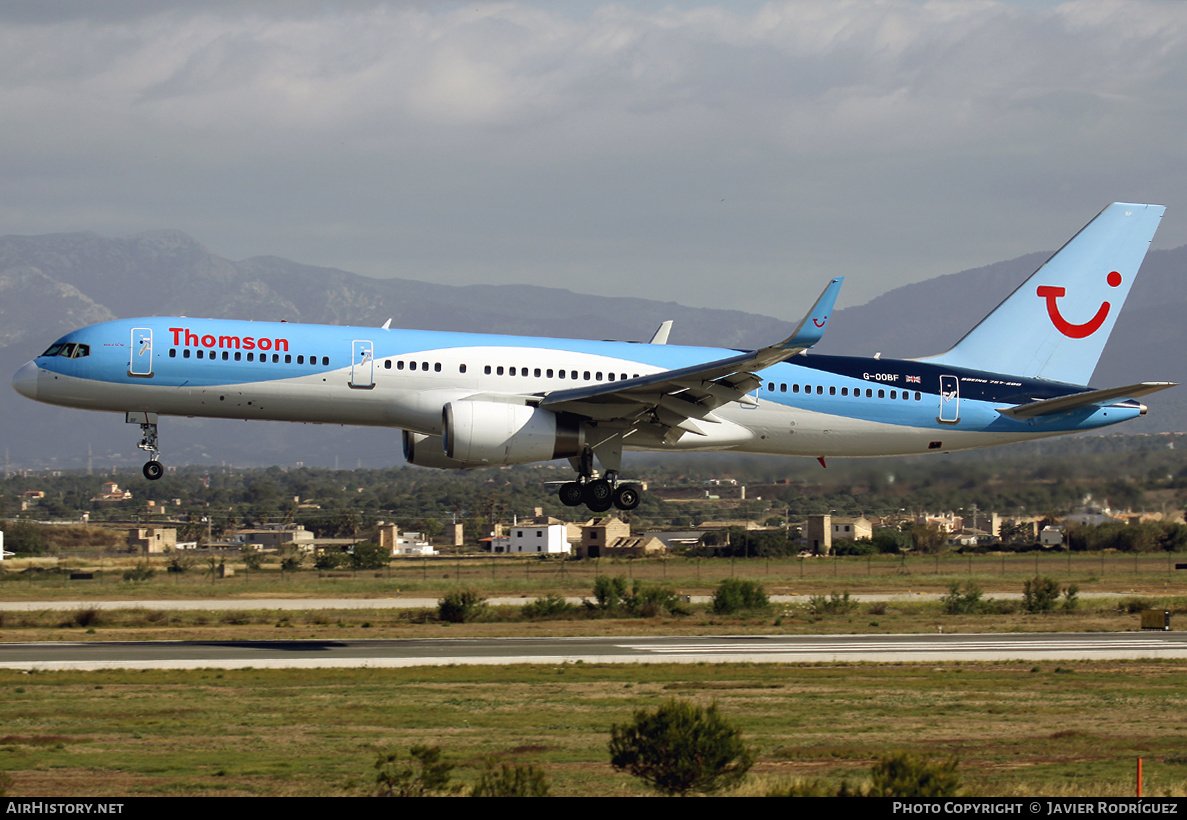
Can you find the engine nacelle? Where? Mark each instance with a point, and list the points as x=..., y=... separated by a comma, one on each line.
x=496, y=433
x=428, y=451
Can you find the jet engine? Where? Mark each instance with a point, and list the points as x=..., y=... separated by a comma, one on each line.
x=497, y=433
x=428, y=451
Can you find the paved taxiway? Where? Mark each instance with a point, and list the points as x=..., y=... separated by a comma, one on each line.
x=713, y=649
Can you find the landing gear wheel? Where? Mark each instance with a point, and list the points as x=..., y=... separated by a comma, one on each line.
x=597, y=492
x=570, y=494
x=153, y=470
x=599, y=506
x=627, y=497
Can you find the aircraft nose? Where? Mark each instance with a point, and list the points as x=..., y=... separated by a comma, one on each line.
x=25, y=380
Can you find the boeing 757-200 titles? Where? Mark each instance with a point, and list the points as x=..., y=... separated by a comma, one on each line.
x=466, y=400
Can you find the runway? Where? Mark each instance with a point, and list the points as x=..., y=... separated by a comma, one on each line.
x=499, y=651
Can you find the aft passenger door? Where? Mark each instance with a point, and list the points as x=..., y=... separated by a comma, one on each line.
x=949, y=400
x=140, y=355
x=362, y=367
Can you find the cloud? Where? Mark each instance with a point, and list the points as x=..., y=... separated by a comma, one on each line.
x=699, y=153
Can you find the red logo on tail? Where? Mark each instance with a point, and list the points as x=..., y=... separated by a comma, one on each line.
x=1073, y=331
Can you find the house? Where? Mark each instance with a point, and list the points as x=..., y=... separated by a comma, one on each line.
x=152, y=539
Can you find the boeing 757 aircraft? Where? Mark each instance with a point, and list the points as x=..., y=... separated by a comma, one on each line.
x=466, y=400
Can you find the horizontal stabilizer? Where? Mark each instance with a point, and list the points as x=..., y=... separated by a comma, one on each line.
x=1065, y=404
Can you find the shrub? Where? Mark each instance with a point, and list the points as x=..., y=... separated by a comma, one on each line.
x=369, y=556
x=141, y=572
x=734, y=595
x=328, y=559
x=550, y=606
x=904, y=775
x=681, y=748
x=425, y=775
x=639, y=599
x=609, y=592
x=1039, y=594
x=967, y=602
x=511, y=781
x=461, y=606
x=833, y=604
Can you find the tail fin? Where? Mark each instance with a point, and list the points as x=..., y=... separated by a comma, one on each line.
x=1055, y=325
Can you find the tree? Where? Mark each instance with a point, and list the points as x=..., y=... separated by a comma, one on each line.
x=23, y=538
x=681, y=748
x=967, y=602
x=369, y=556
x=519, y=780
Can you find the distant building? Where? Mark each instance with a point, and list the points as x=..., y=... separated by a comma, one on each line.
x=112, y=492
x=274, y=537
x=851, y=529
x=152, y=539
x=547, y=539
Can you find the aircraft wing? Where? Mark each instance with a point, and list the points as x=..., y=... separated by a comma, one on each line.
x=1064, y=404
x=681, y=400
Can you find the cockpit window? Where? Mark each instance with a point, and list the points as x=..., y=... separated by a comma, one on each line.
x=69, y=350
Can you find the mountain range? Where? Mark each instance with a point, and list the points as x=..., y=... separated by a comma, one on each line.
x=54, y=283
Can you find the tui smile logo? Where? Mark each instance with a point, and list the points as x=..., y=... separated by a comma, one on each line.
x=1073, y=331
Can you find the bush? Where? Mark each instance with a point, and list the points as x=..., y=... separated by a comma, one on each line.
x=461, y=606
x=23, y=538
x=681, y=748
x=904, y=775
x=328, y=560
x=140, y=572
x=609, y=592
x=425, y=775
x=511, y=781
x=832, y=605
x=967, y=602
x=734, y=595
x=369, y=556
x=639, y=599
x=1039, y=594
x=550, y=606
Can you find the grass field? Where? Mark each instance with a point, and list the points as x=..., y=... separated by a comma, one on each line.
x=1151, y=573
x=1018, y=729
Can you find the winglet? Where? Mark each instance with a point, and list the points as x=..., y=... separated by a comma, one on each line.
x=811, y=329
x=661, y=334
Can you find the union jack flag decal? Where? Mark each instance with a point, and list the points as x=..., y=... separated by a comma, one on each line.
x=913, y=380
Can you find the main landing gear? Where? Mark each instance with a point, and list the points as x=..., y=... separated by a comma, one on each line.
x=598, y=494
x=153, y=469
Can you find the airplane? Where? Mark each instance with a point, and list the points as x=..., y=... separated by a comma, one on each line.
x=469, y=400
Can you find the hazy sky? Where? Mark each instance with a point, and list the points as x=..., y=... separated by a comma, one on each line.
x=731, y=155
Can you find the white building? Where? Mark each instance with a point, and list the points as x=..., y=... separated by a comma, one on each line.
x=551, y=539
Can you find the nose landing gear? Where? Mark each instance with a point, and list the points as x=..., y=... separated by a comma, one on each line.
x=153, y=469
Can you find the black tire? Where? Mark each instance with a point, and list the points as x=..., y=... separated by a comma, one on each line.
x=599, y=505
x=153, y=470
x=627, y=497
x=570, y=494
x=597, y=491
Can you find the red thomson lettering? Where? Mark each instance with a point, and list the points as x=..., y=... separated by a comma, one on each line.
x=183, y=336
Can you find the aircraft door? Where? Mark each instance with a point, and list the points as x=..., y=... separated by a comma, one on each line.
x=949, y=400
x=140, y=354
x=362, y=367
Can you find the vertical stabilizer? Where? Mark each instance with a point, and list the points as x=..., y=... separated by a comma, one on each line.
x=1055, y=325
